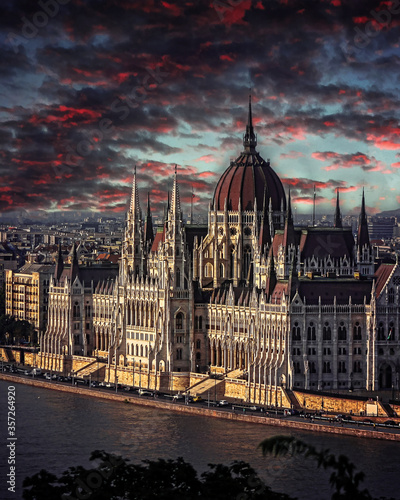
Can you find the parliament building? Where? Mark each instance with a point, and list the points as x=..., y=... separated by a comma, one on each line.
x=263, y=305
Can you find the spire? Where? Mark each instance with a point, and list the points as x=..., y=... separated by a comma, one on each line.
x=265, y=233
x=175, y=201
x=148, y=224
x=338, y=217
x=313, y=212
x=74, y=269
x=59, y=264
x=134, y=209
x=249, y=139
x=271, y=278
x=363, y=235
x=289, y=234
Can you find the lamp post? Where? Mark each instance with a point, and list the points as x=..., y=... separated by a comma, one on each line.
x=140, y=376
x=215, y=385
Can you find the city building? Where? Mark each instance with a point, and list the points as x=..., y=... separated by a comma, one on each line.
x=27, y=294
x=264, y=304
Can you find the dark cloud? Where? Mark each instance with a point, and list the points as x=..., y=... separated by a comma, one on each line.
x=104, y=85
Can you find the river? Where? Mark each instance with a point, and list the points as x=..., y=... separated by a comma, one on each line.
x=56, y=430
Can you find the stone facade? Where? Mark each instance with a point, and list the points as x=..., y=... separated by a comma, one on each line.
x=269, y=306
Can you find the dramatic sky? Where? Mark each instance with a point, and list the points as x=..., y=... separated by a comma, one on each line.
x=90, y=88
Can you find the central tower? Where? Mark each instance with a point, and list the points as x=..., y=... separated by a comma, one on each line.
x=249, y=204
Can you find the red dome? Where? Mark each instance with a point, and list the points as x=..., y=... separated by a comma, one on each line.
x=249, y=178
x=246, y=179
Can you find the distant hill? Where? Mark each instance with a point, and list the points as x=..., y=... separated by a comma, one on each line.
x=389, y=213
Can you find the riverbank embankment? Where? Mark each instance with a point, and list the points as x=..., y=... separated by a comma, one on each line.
x=284, y=422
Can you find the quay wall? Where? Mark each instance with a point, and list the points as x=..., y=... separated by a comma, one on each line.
x=241, y=417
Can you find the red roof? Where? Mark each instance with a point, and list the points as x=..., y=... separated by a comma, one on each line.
x=157, y=240
x=381, y=276
x=279, y=291
x=246, y=179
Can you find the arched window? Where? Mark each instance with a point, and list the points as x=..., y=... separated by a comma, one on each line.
x=77, y=310
x=391, y=296
x=246, y=261
x=196, y=322
x=296, y=332
x=141, y=351
x=179, y=321
x=208, y=270
x=221, y=270
x=311, y=331
x=198, y=344
x=179, y=354
x=357, y=331
x=381, y=331
x=326, y=332
x=178, y=278
x=342, y=332
x=200, y=322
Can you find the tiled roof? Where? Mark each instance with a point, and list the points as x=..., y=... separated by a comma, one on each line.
x=311, y=290
x=381, y=276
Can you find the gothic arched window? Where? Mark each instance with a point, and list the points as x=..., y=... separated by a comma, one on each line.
x=326, y=332
x=342, y=332
x=311, y=331
x=179, y=321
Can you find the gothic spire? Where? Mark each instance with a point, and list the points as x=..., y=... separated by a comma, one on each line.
x=363, y=235
x=289, y=233
x=249, y=139
x=175, y=200
x=59, y=264
x=338, y=216
x=134, y=210
x=74, y=269
x=265, y=233
x=148, y=224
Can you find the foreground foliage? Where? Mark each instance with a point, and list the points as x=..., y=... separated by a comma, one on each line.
x=115, y=478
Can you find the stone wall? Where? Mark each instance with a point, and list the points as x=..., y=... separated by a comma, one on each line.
x=195, y=410
x=162, y=381
x=325, y=403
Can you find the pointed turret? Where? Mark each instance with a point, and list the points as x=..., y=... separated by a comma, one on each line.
x=148, y=224
x=363, y=235
x=134, y=209
x=74, y=269
x=175, y=200
x=265, y=233
x=59, y=264
x=271, y=279
x=289, y=237
x=249, y=139
x=338, y=216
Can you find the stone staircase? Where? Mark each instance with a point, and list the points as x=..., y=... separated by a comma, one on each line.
x=215, y=386
x=235, y=374
x=387, y=409
x=95, y=369
x=292, y=398
x=9, y=355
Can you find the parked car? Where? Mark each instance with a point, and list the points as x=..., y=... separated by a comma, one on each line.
x=223, y=402
x=144, y=392
x=196, y=399
x=178, y=396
